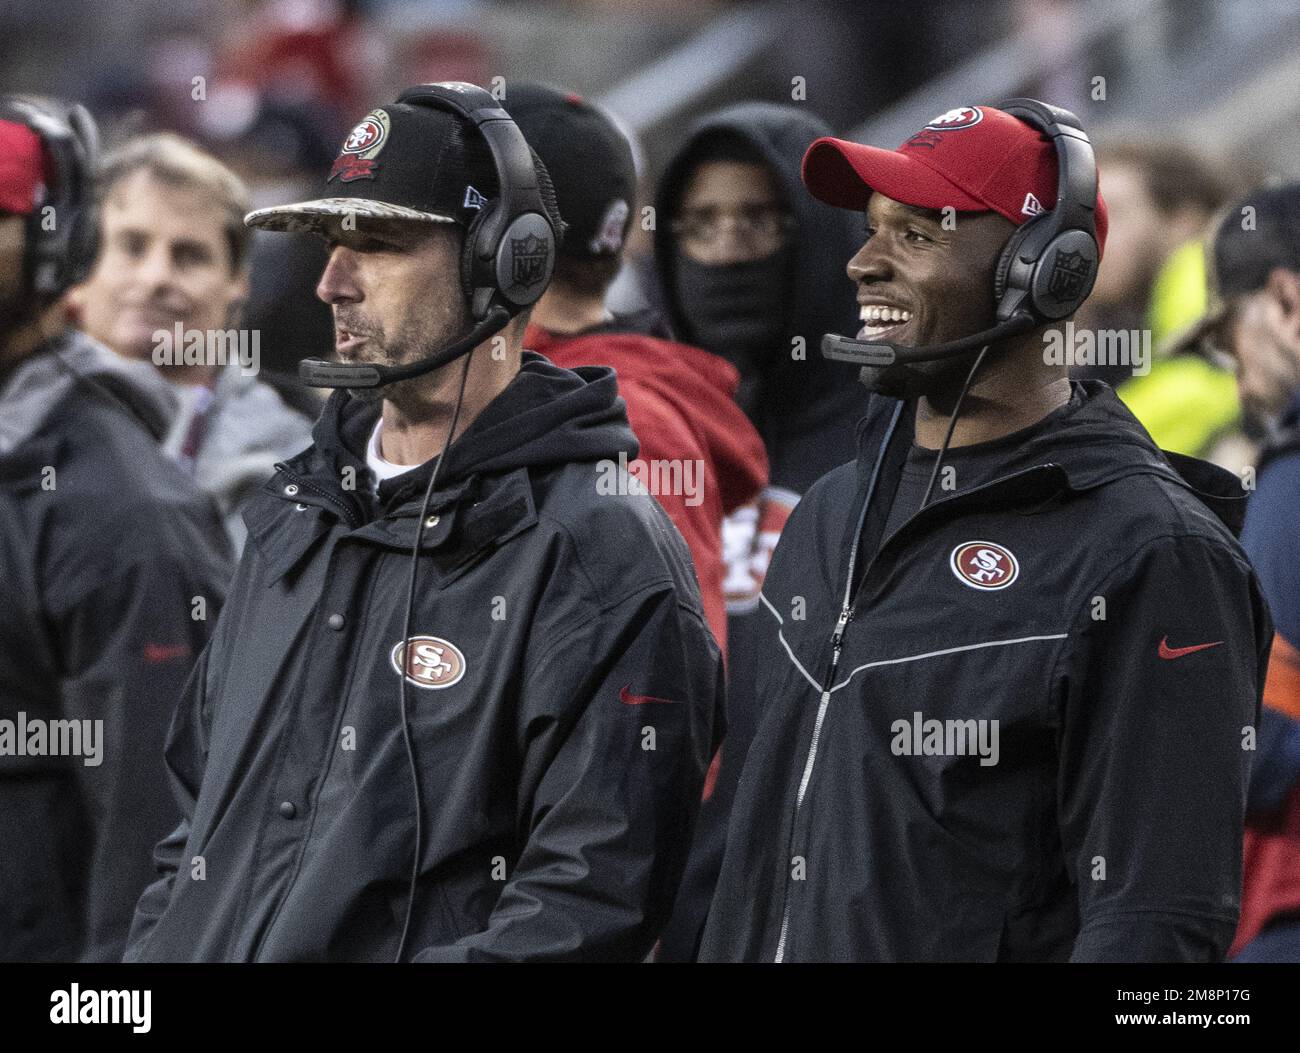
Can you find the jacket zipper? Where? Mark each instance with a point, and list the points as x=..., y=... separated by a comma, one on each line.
x=847, y=610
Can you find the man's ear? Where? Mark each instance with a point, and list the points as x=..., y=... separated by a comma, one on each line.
x=1283, y=288
x=74, y=300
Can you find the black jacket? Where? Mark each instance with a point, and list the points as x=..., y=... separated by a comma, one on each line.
x=1110, y=826
x=105, y=546
x=572, y=700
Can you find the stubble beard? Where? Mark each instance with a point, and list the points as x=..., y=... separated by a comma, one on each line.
x=411, y=343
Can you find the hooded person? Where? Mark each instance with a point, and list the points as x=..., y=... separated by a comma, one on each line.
x=461, y=703
x=749, y=270
x=700, y=455
x=1006, y=717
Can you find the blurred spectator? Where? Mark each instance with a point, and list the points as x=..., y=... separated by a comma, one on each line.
x=1161, y=196
x=680, y=400
x=173, y=272
x=303, y=51
x=1255, y=263
x=752, y=269
x=114, y=566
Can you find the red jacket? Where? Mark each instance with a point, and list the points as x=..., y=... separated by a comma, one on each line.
x=681, y=404
x=1271, y=860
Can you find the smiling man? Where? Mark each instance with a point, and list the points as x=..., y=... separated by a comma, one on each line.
x=1016, y=653
x=516, y=778
x=175, y=261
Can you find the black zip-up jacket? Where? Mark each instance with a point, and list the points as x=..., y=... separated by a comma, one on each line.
x=1109, y=623
x=112, y=571
x=564, y=703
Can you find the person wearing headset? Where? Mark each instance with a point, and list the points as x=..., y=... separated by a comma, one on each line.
x=461, y=701
x=1016, y=651
x=113, y=568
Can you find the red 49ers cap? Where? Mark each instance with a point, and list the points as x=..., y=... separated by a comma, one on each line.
x=972, y=159
x=22, y=168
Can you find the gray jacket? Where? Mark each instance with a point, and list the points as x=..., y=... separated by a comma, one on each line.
x=113, y=567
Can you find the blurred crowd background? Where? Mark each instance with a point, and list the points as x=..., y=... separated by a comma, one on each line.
x=1189, y=101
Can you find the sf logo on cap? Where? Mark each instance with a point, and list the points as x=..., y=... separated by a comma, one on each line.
x=984, y=565
x=956, y=119
x=431, y=662
x=356, y=158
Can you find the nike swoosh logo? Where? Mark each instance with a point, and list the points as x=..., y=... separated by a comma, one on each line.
x=162, y=652
x=629, y=699
x=1177, y=652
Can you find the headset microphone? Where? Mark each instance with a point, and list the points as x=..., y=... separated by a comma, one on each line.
x=319, y=373
x=879, y=353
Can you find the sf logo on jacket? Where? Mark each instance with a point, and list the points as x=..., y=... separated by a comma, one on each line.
x=434, y=663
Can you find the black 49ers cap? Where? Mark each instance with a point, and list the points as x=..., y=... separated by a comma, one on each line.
x=400, y=161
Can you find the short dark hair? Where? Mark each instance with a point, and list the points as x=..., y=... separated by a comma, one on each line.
x=590, y=276
x=1175, y=174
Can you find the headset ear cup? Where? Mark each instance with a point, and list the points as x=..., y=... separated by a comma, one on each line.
x=83, y=246
x=1063, y=274
x=469, y=279
x=1001, y=277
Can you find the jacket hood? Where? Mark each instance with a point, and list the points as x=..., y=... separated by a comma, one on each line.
x=797, y=394
x=41, y=381
x=1094, y=443
x=545, y=416
x=700, y=386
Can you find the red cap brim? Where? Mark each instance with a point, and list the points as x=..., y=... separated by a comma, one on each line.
x=22, y=169
x=844, y=174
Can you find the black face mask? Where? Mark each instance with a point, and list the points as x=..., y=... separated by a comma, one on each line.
x=738, y=311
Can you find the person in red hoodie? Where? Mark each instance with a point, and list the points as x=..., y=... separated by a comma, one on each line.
x=700, y=455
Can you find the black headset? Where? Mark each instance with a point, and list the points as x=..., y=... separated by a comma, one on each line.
x=510, y=246
x=63, y=229
x=516, y=219
x=1048, y=265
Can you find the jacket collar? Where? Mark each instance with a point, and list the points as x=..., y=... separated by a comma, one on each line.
x=461, y=524
x=38, y=383
x=1096, y=443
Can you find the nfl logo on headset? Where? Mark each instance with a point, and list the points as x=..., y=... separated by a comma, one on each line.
x=1069, y=271
x=528, y=256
